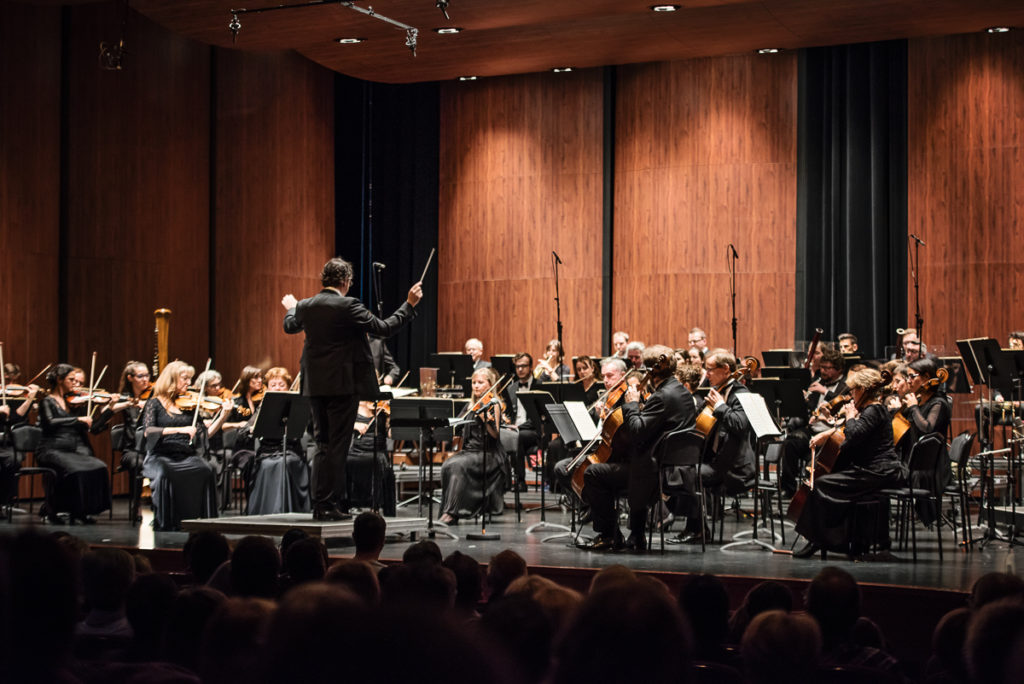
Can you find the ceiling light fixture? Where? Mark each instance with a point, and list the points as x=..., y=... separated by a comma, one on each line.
x=769, y=51
x=562, y=70
x=664, y=8
x=467, y=78
x=998, y=29
x=447, y=30
x=349, y=41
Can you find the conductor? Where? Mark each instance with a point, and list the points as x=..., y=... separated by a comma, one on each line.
x=337, y=368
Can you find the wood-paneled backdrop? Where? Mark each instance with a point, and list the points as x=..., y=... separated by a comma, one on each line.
x=184, y=158
x=520, y=177
x=705, y=155
x=966, y=184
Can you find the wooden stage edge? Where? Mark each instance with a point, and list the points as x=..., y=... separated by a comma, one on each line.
x=277, y=524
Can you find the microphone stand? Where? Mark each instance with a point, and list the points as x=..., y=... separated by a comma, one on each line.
x=544, y=524
x=733, y=257
x=914, y=268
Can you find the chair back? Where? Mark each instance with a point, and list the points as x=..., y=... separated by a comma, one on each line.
x=960, y=451
x=117, y=438
x=25, y=438
x=680, y=448
x=926, y=457
x=229, y=438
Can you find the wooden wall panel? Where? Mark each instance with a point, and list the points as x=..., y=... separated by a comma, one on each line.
x=520, y=177
x=965, y=195
x=705, y=156
x=29, y=183
x=138, y=191
x=274, y=220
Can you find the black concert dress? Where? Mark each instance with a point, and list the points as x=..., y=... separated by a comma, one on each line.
x=868, y=464
x=83, y=484
x=361, y=477
x=8, y=463
x=183, y=483
x=131, y=418
x=933, y=415
x=466, y=485
x=270, y=492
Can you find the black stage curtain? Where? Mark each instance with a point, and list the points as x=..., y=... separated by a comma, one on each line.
x=852, y=193
x=386, y=174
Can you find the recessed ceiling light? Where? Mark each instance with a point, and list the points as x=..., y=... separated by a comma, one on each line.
x=467, y=78
x=349, y=41
x=664, y=8
x=445, y=30
x=561, y=70
x=998, y=29
x=768, y=51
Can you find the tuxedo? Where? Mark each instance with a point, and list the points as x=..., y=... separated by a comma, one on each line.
x=383, y=362
x=337, y=369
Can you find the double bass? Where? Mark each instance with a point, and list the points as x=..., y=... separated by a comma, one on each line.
x=825, y=458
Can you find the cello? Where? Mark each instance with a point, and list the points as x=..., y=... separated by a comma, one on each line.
x=825, y=458
x=706, y=418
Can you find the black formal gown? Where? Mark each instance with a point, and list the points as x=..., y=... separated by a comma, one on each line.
x=183, y=483
x=470, y=485
x=270, y=493
x=932, y=416
x=868, y=463
x=131, y=418
x=360, y=475
x=8, y=463
x=83, y=485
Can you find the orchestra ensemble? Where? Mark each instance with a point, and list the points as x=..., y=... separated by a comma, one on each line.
x=189, y=434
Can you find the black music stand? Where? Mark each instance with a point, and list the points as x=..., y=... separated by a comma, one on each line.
x=453, y=369
x=567, y=428
x=533, y=403
x=562, y=392
x=803, y=375
x=785, y=358
x=504, y=363
x=284, y=415
x=958, y=383
x=422, y=419
x=783, y=396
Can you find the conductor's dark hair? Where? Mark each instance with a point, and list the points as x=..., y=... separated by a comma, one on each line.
x=336, y=273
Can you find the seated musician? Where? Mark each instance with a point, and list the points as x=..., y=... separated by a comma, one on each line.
x=475, y=348
x=668, y=408
x=729, y=450
x=267, y=491
x=13, y=412
x=927, y=408
x=472, y=479
x=183, y=484
x=1017, y=339
x=797, y=448
x=550, y=368
x=911, y=348
x=848, y=343
x=528, y=439
x=698, y=338
x=620, y=338
x=635, y=355
x=613, y=369
x=866, y=463
x=135, y=388
x=690, y=377
x=366, y=486
x=586, y=374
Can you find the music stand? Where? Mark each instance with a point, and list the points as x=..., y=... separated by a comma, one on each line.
x=423, y=417
x=504, y=363
x=562, y=392
x=284, y=415
x=453, y=368
x=533, y=403
x=573, y=424
x=958, y=383
x=785, y=358
x=784, y=396
x=803, y=375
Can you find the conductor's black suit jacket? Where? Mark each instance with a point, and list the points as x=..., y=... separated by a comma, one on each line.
x=336, y=358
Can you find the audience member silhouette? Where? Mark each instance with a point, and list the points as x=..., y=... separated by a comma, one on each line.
x=780, y=648
x=705, y=604
x=358, y=577
x=204, y=552
x=235, y=636
x=255, y=567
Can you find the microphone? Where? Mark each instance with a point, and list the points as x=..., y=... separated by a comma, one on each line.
x=735, y=254
x=379, y=266
x=555, y=254
x=917, y=239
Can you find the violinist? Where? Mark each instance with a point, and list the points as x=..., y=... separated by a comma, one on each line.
x=729, y=446
x=82, y=488
x=135, y=388
x=550, y=368
x=242, y=414
x=866, y=463
x=267, y=488
x=823, y=389
x=182, y=482
x=928, y=410
x=634, y=470
x=13, y=411
x=466, y=489
x=371, y=424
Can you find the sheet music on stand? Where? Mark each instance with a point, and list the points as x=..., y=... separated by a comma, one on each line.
x=760, y=417
x=572, y=421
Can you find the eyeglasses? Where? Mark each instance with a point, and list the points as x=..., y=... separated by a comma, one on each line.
x=522, y=365
x=912, y=376
x=828, y=366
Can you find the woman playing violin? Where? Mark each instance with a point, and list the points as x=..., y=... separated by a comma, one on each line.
x=135, y=389
x=183, y=484
x=13, y=411
x=465, y=487
x=928, y=410
x=370, y=425
x=866, y=463
x=82, y=488
x=267, y=491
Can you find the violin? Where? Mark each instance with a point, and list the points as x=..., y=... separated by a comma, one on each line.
x=82, y=396
x=190, y=399
x=831, y=405
x=491, y=396
x=706, y=418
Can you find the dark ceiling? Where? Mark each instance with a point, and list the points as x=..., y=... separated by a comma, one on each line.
x=520, y=36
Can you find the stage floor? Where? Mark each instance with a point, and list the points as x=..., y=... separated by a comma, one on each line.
x=957, y=571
